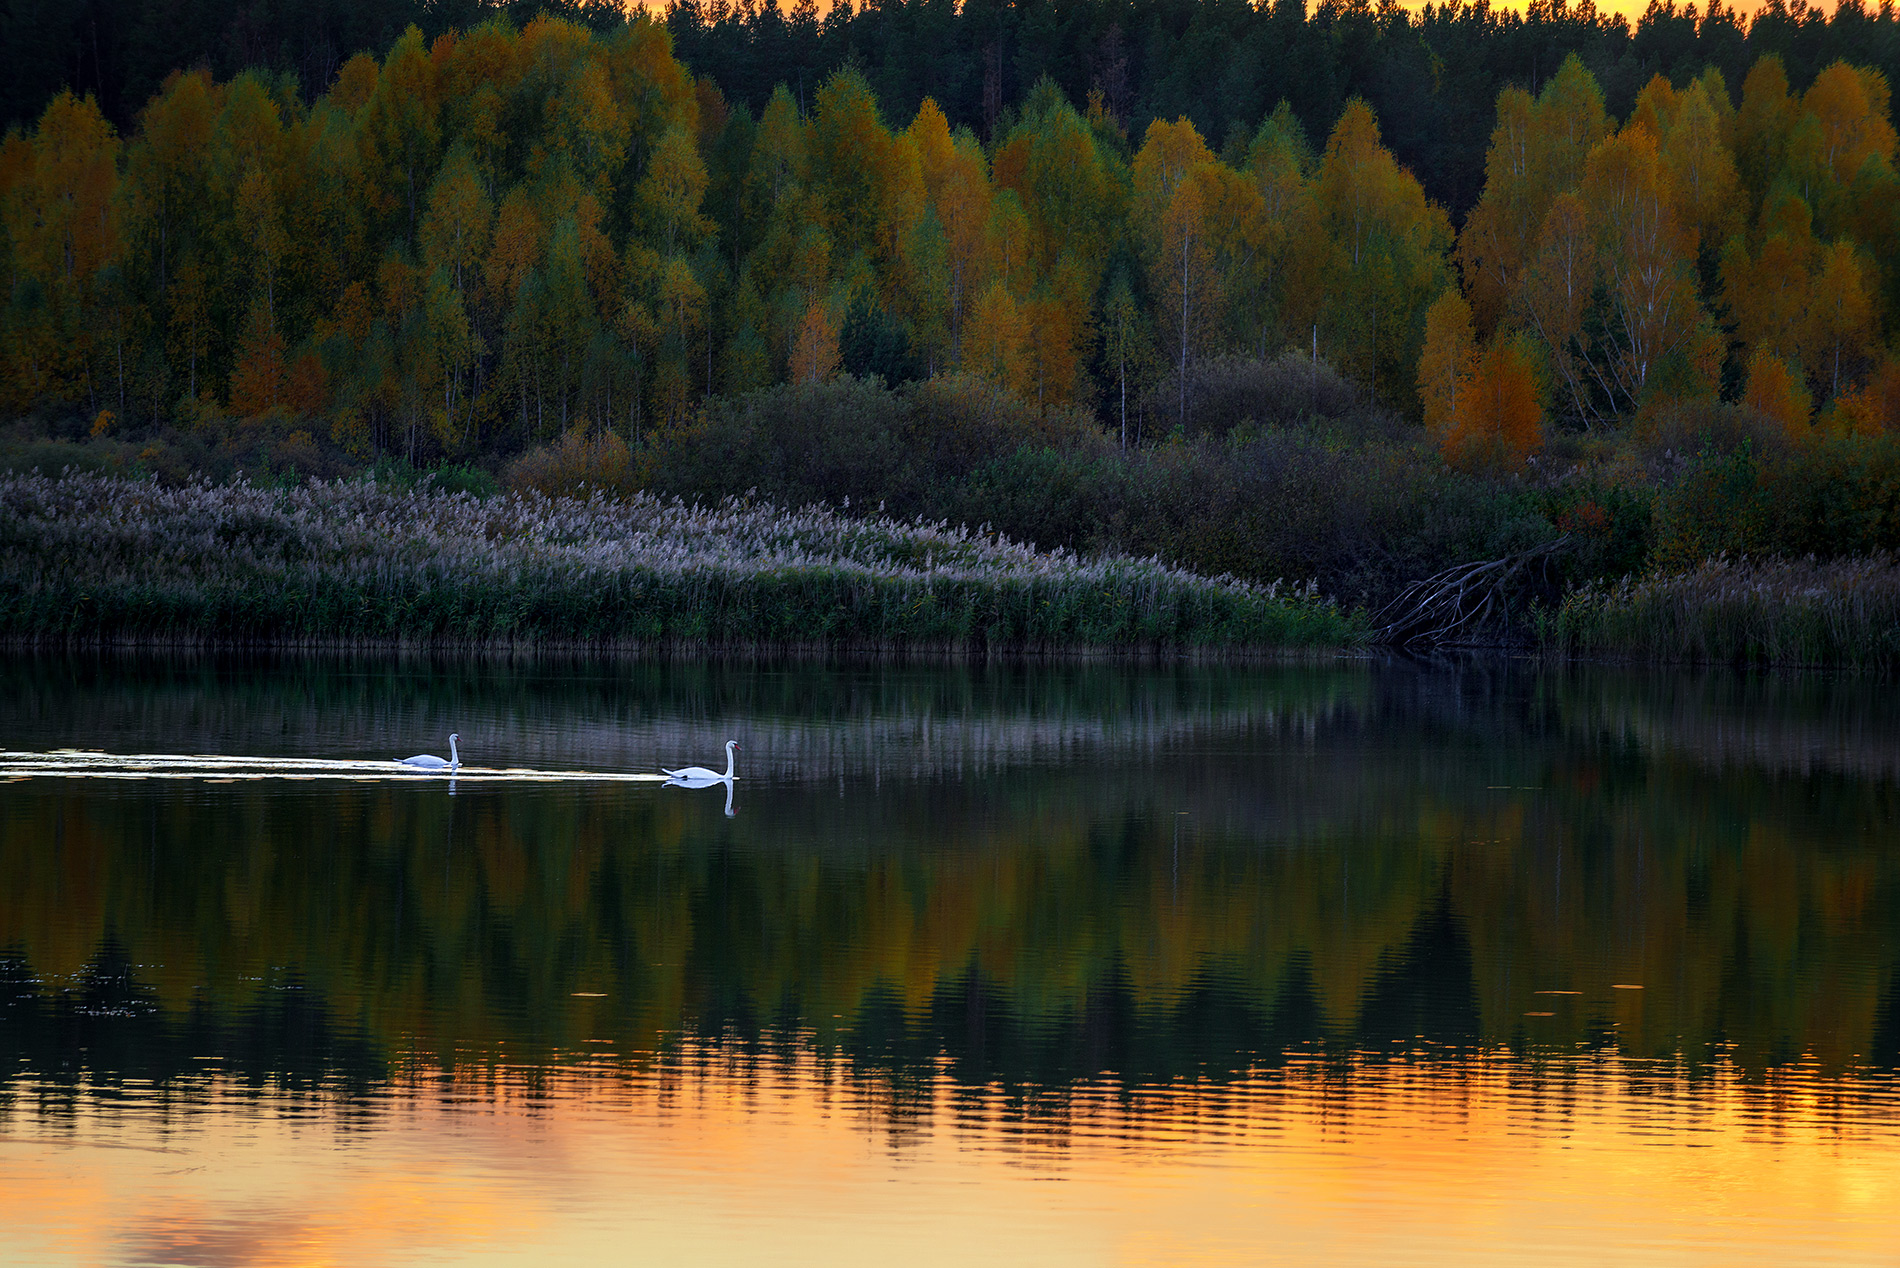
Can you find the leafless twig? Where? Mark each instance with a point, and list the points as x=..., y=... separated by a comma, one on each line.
x=1455, y=601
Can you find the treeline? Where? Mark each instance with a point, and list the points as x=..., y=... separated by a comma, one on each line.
x=554, y=225
x=120, y=52
x=482, y=242
x=1429, y=75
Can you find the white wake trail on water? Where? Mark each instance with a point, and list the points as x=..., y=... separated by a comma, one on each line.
x=224, y=768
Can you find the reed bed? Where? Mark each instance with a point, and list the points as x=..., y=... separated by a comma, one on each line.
x=1843, y=613
x=94, y=559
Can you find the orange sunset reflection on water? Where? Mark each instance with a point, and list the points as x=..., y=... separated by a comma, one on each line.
x=711, y=1157
x=1372, y=964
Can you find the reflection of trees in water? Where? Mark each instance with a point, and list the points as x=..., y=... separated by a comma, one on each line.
x=815, y=721
x=105, y=1028
x=1404, y=859
x=799, y=721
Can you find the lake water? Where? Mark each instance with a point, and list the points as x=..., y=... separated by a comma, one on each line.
x=1356, y=963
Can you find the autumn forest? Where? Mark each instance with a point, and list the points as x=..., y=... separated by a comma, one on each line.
x=467, y=248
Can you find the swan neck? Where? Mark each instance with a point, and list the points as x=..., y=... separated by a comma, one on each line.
x=455, y=757
x=729, y=758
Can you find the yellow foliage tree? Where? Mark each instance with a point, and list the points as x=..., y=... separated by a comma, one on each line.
x=1769, y=290
x=1446, y=358
x=1372, y=257
x=1655, y=108
x=1703, y=181
x=1558, y=287
x=1186, y=279
x=1839, y=330
x=1538, y=150
x=1762, y=125
x=994, y=340
x=670, y=193
x=964, y=203
x=1776, y=391
x=1646, y=255
x=1850, y=104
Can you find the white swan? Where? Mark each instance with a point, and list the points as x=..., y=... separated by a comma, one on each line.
x=702, y=772
x=424, y=761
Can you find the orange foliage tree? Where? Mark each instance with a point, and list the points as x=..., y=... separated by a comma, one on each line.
x=1496, y=417
x=1776, y=391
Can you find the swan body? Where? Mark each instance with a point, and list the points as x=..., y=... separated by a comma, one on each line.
x=425, y=761
x=701, y=774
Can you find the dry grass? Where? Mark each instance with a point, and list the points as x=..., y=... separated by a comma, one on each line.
x=1801, y=612
x=91, y=557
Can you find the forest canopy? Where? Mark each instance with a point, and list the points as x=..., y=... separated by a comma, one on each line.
x=476, y=242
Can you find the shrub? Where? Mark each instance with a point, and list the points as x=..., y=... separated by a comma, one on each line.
x=1225, y=393
x=1610, y=526
x=1359, y=502
x=1834, y=496
x=579, y=462
x=1680, y=429
x=1716, y=505
x=792, y=445
x=850, y=441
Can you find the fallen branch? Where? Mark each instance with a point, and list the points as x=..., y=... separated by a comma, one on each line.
x=1457, y=600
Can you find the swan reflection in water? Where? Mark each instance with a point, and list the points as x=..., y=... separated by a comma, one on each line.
x=715, y=781
x=705, y=777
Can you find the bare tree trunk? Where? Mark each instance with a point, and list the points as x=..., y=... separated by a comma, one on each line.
x=1124, y=380
x=1372, y=367
x=1181, y=375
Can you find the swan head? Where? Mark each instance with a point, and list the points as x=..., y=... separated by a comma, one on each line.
x=731, y=744
x=454, y=738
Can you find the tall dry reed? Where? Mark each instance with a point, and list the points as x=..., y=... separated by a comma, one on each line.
x=1842, y=612
x=90, y=557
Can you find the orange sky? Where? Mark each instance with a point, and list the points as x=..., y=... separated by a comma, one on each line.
x=1630, y=9
x=1634, y=9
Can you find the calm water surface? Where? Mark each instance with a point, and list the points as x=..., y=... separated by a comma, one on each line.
x=1055, y=965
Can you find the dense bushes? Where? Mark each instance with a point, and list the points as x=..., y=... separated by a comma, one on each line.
x=1228, y=393
x=856, y=442
x=1832, y=496
x=1355, y=501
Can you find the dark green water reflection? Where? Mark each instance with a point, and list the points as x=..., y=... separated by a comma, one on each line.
x=1023, y=876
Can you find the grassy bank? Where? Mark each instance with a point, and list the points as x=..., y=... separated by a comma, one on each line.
x=92, y=558
x=1842, y=613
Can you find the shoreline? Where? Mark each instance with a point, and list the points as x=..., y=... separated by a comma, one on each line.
x=89, y=562
x=851, y=654
x=750, y=652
